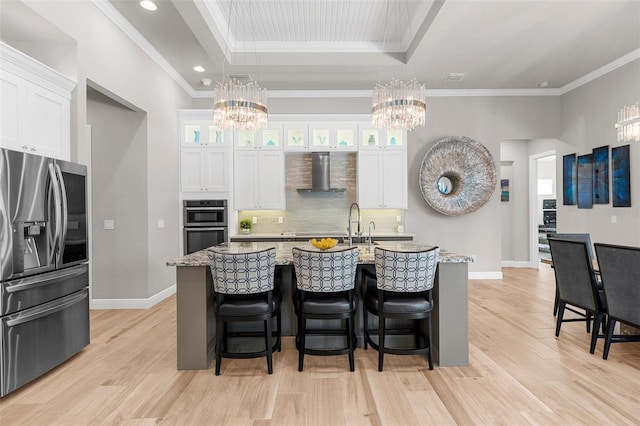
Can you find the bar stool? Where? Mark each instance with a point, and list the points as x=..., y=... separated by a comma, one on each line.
x=325, y=290
x=402, y=290
x=243, y=285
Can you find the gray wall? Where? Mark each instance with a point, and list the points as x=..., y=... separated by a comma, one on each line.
x=588, y=117
x=515, y=226
x=119, y=193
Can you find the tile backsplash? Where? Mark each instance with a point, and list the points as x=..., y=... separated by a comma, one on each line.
x=319, y=211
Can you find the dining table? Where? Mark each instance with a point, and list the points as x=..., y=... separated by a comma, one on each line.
x=195, y=320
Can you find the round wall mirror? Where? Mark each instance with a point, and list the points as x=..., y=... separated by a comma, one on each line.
x=457, y=176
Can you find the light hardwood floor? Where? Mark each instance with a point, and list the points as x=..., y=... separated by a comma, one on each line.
x=520, y=373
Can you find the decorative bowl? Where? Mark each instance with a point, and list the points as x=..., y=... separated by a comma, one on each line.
x=324, y=243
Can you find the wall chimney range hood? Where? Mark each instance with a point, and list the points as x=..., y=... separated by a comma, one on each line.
x=320, y=166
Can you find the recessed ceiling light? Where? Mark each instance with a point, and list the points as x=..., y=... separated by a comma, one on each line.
x=149, y=5
x=198, y=68
x=543, y=84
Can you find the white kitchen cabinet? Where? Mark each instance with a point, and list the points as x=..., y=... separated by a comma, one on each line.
x=382, y=179
x=269, y=138
x=373, y=138
x=296, y=136
x=203, y=133
x=259, y=180
x=205, y=154
x=204, y=169
x=35, y=106
x=333, y=137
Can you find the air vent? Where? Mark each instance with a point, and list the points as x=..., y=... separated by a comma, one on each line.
x=455, y=76
x=244, y=78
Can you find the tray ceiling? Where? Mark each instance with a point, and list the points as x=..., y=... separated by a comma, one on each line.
x=343, y=44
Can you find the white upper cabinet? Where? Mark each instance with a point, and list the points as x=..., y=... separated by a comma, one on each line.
x=382, y=179
x=296, y=137
x=269, y=138
x=333, y=137
x=204, y=170
x=203, y=133
x=259, y=180
x=373, y=138
x=205, y=155
x=35, y=106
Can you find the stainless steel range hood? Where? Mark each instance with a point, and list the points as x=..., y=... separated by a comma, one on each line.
x=320, y=172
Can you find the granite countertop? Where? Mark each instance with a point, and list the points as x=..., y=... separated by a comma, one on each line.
x=280, y=236
x=284, y=256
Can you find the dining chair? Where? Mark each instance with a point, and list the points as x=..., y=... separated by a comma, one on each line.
x=574, y=236
x=243, y=285
x=620, y=271
x=325, y=290
x=401, y=290
x=576, y=284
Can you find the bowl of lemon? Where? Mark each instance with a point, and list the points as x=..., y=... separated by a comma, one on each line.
x=324, y=243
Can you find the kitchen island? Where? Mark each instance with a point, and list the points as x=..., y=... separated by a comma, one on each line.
x=195, y=312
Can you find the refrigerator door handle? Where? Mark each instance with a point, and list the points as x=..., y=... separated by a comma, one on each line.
x=65, y=214
x=40, y=312
x=55, y=186
x=32, y=282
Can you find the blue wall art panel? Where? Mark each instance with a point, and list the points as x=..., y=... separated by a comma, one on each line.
x=504, y=189
x=621, y=176
x=585, y=181
x=601, y=175
x=569, y=180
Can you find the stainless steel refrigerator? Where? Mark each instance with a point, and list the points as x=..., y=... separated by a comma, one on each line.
x=44, y=272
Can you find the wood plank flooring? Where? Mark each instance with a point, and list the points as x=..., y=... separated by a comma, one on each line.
x=519, y=373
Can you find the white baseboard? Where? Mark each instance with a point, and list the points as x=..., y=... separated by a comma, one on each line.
x=133, y=303
x=488, y=275
x=519, y=264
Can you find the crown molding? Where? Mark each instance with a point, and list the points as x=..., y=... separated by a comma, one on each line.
x=613, y=65
x=16, y=62
x=116, y=17
x=449, y=93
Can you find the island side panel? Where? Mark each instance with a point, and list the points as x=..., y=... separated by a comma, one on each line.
x=451, y=315
x=195, y=318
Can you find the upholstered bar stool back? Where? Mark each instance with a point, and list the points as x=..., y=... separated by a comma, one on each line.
x=243, y=285
x=325, y=289
x=403, y=284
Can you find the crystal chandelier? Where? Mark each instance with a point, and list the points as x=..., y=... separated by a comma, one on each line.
x=399, y=105
x=628, y=124
x=239, y=106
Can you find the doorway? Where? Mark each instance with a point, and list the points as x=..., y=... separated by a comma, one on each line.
x=542, y=204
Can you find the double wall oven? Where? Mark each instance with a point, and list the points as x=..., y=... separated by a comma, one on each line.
x=205, y=224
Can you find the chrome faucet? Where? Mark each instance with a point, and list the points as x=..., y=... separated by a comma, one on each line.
x=351, y=221
x=374, y=228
